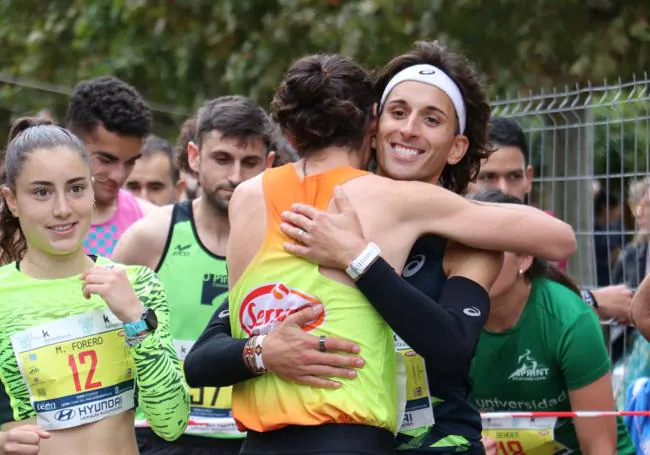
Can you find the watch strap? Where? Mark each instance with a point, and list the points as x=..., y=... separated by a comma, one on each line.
x=363, y=262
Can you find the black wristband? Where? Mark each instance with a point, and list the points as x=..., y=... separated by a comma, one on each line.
x=589, y=299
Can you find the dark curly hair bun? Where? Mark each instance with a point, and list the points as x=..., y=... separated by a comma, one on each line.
x=323, y=101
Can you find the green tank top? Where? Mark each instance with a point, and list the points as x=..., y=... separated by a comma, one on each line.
x=196, y=282
x=276, y=284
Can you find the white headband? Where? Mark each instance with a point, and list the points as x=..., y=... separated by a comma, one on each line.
x=434, y=76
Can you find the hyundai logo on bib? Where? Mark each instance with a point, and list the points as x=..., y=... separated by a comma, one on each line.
x=267, y=305
x=65, y=414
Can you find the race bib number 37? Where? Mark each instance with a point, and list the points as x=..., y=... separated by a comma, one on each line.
x=78, y=369
x=210, y=410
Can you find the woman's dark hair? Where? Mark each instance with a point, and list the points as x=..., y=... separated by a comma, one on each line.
x=27, y=136
x=539, y=267
x=323, y=101
x=454, y=177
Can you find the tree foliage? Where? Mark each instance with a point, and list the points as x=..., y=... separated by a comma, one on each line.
x=181, y=52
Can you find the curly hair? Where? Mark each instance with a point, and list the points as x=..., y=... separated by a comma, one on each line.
x=458, y=176
x=323, y=101
x=111, y=103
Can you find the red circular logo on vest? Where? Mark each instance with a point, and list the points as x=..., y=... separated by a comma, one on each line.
x=268, y=305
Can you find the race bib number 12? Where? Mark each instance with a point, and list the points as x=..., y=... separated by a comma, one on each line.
x=78, y=369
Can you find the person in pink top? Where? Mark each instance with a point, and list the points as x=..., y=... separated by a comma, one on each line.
x=508, y=170
x=113, y=121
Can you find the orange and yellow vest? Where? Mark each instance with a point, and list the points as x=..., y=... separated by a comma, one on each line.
x=276, y=284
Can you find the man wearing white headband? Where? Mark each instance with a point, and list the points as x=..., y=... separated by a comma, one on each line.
x=426, y=131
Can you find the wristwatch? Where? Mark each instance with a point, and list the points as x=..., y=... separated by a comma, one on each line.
x=147, y=323
x=589, y=298
x=363, y=262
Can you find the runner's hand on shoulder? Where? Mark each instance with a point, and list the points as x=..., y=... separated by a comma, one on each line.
x=112, y=284
x=23, y=440
x=294, y=355
x=331, y=239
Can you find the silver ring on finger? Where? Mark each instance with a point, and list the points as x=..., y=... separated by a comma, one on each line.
x=321, y=343
x=301, y=233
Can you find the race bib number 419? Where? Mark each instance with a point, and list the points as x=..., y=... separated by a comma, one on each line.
x=78, y=369
x=523, y=436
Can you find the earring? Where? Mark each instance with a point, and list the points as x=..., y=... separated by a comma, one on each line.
x=521, y=272
x=94, y=204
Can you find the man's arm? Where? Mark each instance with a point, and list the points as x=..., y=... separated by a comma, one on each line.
x=455, y=321
x=517, y=228
x=217, y=359
x=640, y=308
x=144, y=241
x=336, y=238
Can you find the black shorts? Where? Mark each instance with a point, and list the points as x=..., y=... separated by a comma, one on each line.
x=151, y=444
x=331, y=439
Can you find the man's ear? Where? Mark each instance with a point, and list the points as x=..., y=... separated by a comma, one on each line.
x=270, y=159
x=193, y=156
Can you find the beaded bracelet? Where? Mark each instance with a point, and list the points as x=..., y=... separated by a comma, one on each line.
x=253, y=354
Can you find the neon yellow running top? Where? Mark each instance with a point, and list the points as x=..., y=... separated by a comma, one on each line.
x=276, y=284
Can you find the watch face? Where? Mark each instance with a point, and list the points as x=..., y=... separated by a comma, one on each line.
x=151, y=319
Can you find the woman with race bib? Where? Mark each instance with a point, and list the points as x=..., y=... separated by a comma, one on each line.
x=78, y=334
x=542, y=349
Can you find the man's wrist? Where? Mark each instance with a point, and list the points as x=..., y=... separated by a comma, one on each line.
x=363, y=261
x=252, y=355
x=352, y=253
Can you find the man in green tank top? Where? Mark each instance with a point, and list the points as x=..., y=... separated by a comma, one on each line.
x=186, y=243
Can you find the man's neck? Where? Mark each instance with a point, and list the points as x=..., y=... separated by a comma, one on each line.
x=48, y=267
x=104, y=211
x=506, y=309
x=211, y=225
x=327, y=159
